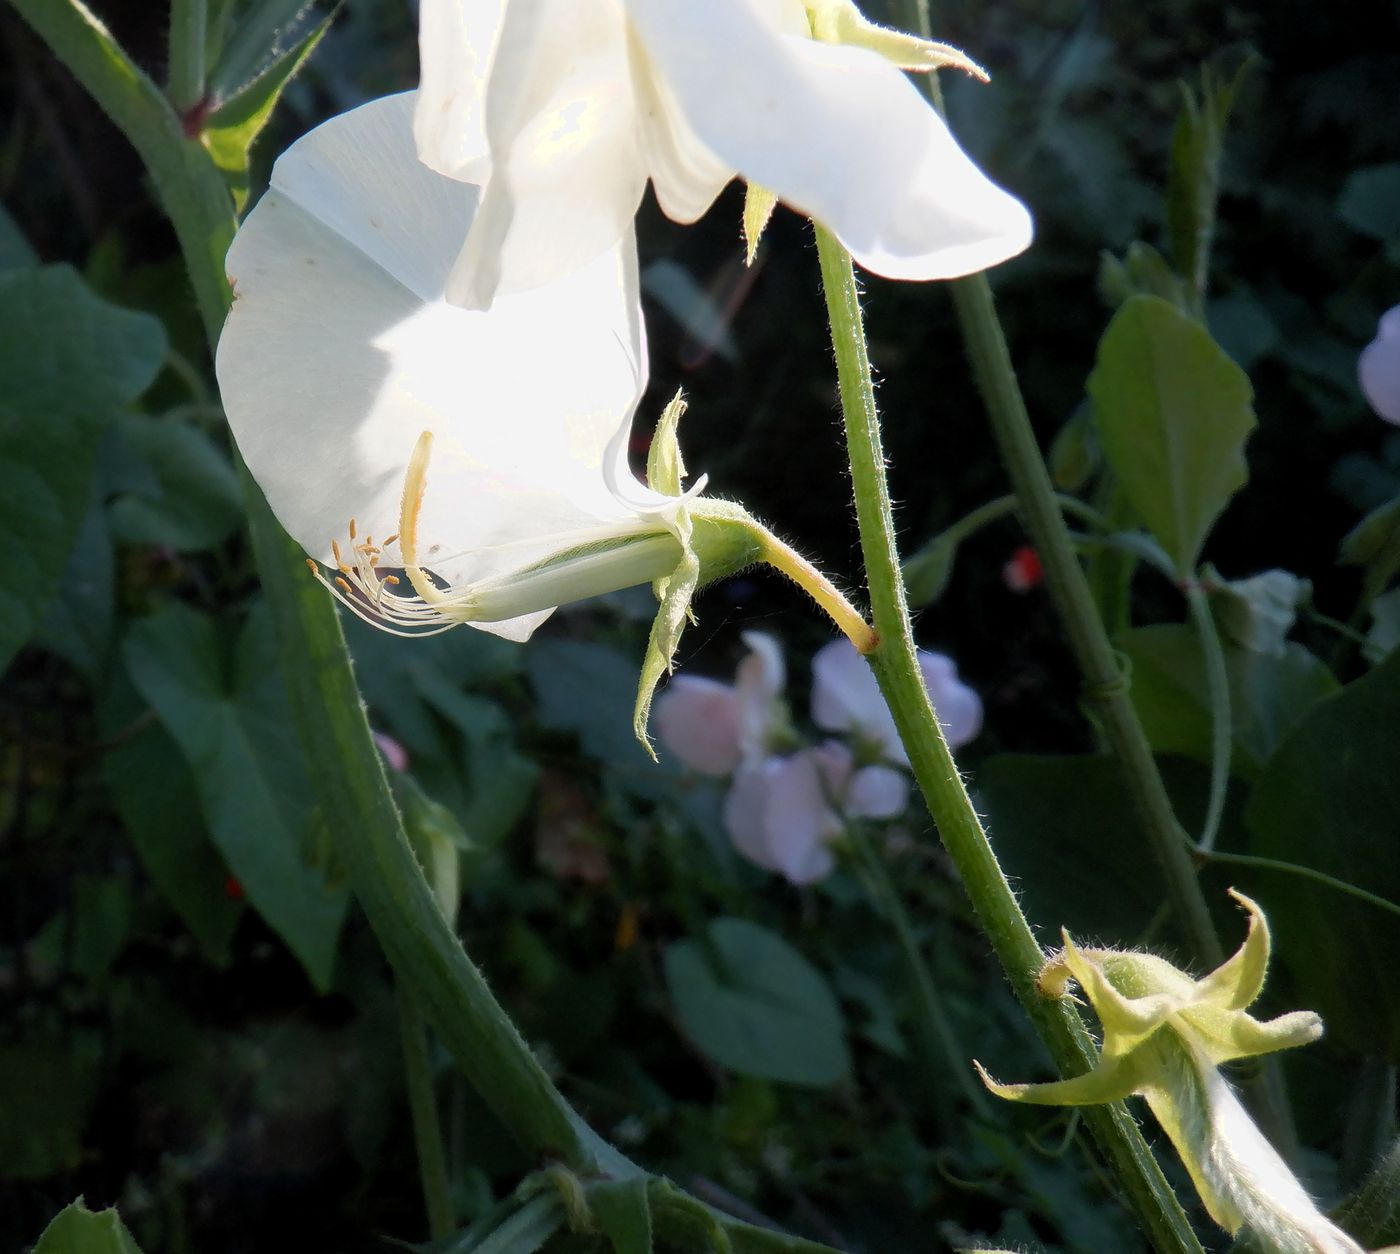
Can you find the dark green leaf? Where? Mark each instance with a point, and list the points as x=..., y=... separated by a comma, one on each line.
x=1173, y=413
x=77, y=1230
x=230, y=131
x=1372, y=1213
x=15, y=252
x=588, y=689
x=1330, y=800
x=1375, y=544
x=1370, y=202
x=224, y=703
x=1384, y=634
x=751, y=1002
x=154, y=793
x=1143, y=271
x=192, y=501
x=78, y=625
x=47, y=1084
x=68, y=362
x=1065, y=829
x=1269, y=693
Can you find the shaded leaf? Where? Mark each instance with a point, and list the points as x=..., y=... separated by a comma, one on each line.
x=622, y=1212
x=1370, y=201
x=68, y=362
x=190, y=500
x=1330, y=799
x=77, y=1230
x=224, y=703
x=47, y=1085
x=154, y=792
x=751, y=1002
x=1269, y=693
x=1173, y=413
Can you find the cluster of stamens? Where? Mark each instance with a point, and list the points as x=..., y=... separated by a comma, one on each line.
x=366, y=589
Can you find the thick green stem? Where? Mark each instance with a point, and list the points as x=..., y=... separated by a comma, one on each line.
x=188, y=36
x=895, y=664
x=422, y=1105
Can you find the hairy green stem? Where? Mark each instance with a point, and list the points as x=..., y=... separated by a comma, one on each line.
x=934, y=1025
x=896, y=667
x=422, y=1105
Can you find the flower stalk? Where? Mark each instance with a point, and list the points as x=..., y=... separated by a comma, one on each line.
x=896, y=668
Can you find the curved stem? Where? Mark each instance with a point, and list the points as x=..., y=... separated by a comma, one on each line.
x=1221, y=731
x=782, y=557
x=422, y=1105
x=895, y=664
x=1302, y=872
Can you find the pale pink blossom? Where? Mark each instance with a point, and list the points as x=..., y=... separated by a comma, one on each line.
x=1378, y=368
x=784, y=813
x=846, y=698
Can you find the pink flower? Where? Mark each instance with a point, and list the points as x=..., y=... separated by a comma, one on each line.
x=783, y=813
x=713, y=727
x=1378, y=368
x=846, y=698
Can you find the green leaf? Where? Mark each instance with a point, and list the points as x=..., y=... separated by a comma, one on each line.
x=77, y=1230
x=751, y=1002
x=1173, y=413
x=68, y=362
x=1269, y=693
x=192, y=500
x=15, y=251
x=1372, y=1212
x=665, y=465
x=224, y=703
x=47, y=1085
x=77, y=626
x=623, y=1213
x=155, y=796
x=1330, y=800
x=587, y=689
x=231, y=129
x=1064, y=827
x=1370, y=201
x=1375, y=544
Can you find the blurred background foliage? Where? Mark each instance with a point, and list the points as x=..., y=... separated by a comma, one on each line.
x=197, y=1027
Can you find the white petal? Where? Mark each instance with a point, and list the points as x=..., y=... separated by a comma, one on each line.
x=339, y=352
x=839, y=133
x=845, y=697
x=958, y=707
x=566, y=165
x=877, y=792
x=456, y=41
x=697, y=719
x=685, y=175
x=1379, y=368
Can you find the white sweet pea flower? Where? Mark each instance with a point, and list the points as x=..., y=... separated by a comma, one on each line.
x=449, y=466
x=783, y=813
x=846, y=698
x=565, y=108
x=713, y=727
x=1378, y=368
